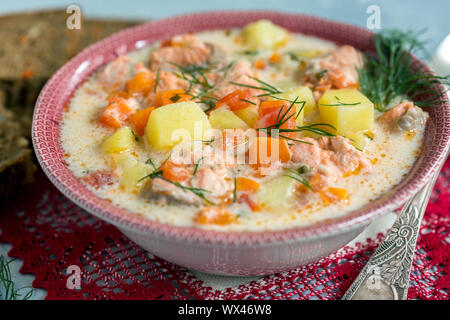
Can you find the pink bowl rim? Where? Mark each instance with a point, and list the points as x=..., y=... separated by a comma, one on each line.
x=58, y=90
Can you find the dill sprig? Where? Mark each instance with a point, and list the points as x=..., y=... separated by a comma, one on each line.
x=313, y=128
x=227, y=69
x=340, y=103
x=270, y=90
x=301, y=175
x=197, y=165
x=156, y=80
x=283, y=117
x=7, y=287
x=150, y=162
x=250, y=52
x=194, y=74
x=235, y=190
x=389, y=76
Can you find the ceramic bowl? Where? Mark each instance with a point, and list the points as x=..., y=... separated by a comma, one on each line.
x=227, y=253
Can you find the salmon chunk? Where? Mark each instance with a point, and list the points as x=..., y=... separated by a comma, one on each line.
x=334, y=71
x=241, y=72
x=183, y=50
x=405, y=117
x=328, y=159
x=209, y=180
x=116, y=73
x=172, y=194
x=341, y=67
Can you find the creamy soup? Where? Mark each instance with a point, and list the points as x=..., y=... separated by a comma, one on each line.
x=244, y=129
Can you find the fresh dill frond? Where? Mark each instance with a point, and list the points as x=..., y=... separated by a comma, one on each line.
x=250, y=52
x=271, y=90
x=313, y=128
x=301, y=175
x=196, y=166
x=340, y=103
x=8, y=290
x=136, y=138
x=197, y=191
x=150, y=162
x=293, y=56
x=321, y=74
x=175, y=98
x=248, y=101
x=156, y=80
x=389, y=75
x=234, y=190
x=227, y=69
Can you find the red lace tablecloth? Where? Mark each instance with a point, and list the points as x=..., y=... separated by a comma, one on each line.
x=50, y=233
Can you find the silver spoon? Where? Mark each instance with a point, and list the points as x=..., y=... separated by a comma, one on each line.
x=386, y=275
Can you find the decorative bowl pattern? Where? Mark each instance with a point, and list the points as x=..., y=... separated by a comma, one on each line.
x=232, y=253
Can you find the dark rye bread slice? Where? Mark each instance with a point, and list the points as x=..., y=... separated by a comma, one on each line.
x=16, y=164
x=34, y=46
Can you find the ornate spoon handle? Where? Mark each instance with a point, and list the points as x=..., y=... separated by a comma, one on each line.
x=386, y=274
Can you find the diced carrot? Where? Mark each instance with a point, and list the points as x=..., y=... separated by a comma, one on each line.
x=246, y=184
x=175, y=172
x=274, y=58
x=334, y=195
x=272, y=112
x=171, y=96
x=252, y=204
x=266, y=150
x=141, y=83
x=117, y=94
x=139, y=120
x=215, y=215
x=259, y=64
x=238, y=99
x=116, y=113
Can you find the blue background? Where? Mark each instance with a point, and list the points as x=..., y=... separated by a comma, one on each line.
x=404, y=14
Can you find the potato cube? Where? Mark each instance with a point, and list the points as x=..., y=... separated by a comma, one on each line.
x=348, y=110
x=249, y=115
x=275, y=193
x=170, y=124
x=263, y=34
x=123, y=139
x=223, y=118
x=123, y=161
x=130, y=179
x=358, y=139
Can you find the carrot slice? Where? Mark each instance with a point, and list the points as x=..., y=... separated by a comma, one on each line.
x=171, y=96
x=246, y=184
x=237, y=100
x=266, y=150
x=141, y=83
x=175, y=172
x=139, y=120
x=215, y=215
x=274, y=58
x=259, y=64
x=116, y=113
x=273, y=112
x=245, y=198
